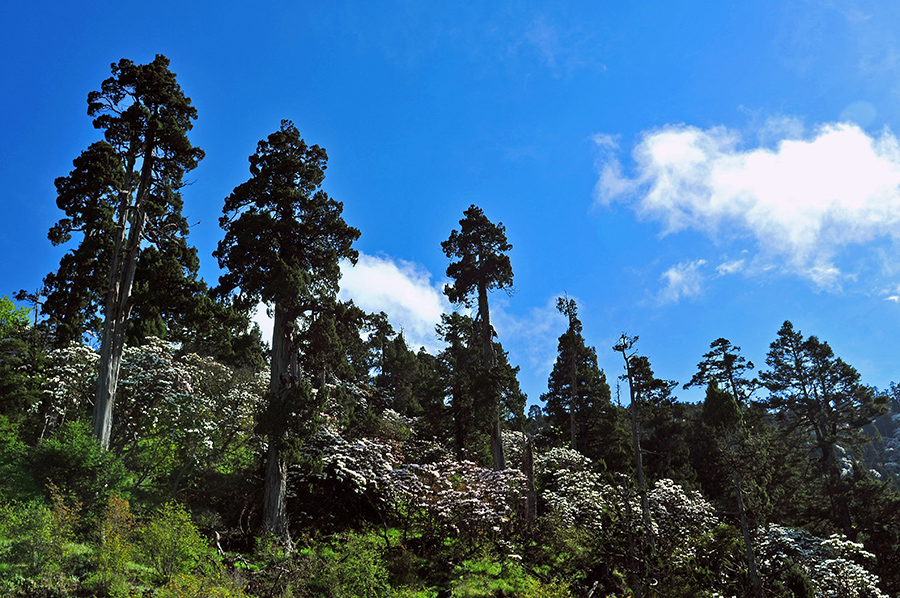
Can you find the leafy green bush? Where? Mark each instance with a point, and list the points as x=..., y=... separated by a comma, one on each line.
x=347, y=566
x=216, y=585
x=115, y=548
x=35, y=535
x=171, y=542
x=15, y=481
x=73, y=460
x=485, y=577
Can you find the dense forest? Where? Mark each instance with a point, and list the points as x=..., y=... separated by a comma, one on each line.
x=153, y=444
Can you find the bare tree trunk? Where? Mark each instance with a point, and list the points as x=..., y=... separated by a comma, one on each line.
x=745, y=530
x=639, y=463
x=572, y=391
x=528, y=470
x=633, y=562
x=121, y=281
x=489, y=361
x=285, y=373
x=118, y=309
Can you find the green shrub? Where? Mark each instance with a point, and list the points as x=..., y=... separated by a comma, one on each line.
x=114, y=549
x=35, y=535
x=216, y=585
x=346, y=566
x=73, y=460
x=485, y=577
x=171, y=542
x=15, y=481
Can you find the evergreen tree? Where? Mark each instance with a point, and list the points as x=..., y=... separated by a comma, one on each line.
x=464, y=378
x=722, y=414
x=284, y=239
x=480, y=248
x=725, y=366
x=467, y=381
x=578, y=396
x=123, y=194
x=819, y=396
x=400, y=376
x=21, y=360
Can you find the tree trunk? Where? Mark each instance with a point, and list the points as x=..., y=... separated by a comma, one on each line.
x=573, y=390
x=639, y=463
x=528, y=470
x=285, y=372
x=274, y=505
x=121, y=281
x=489, y=361
x=745, y=530
x=118, y=309
x=633, y=562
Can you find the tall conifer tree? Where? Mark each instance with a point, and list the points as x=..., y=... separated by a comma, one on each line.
x=123, y=194
x=284, y=239
x=481, y=265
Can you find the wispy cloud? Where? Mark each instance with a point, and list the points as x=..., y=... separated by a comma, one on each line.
x=562, y=47
x=730, y=267
x=682, y=280
x=803, y=201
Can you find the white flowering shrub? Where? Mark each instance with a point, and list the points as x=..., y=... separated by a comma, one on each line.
x=833, y=565
x=571, y=492
x=169, y=409
x=513, y=448
x=679, y=516
x=190, y=404
x=360, y=466
x=458, y=498
x=71, y=381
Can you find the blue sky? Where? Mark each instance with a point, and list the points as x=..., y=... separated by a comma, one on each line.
x=685, y=170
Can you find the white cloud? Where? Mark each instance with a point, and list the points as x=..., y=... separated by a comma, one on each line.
x=682, y=281
x=266, y=323
x=803, y=200
x=731, y=267
x=403, y=290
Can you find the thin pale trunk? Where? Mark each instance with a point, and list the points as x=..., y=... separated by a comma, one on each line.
x=118, y=297
x=118, y=309
x=284, y=374
x=639, y=463
x=633, y=562
x=528, y=470
x=745, y=530
x=489, y=361
x=638, y=454
x=572, y=390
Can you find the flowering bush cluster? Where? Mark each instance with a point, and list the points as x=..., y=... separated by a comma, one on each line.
x=679, y=516
x=360, y=466
x=573, y=494
x=187, y=404
x=832, y=564
x=458, y=498
x=71, y=381
x=513, y=448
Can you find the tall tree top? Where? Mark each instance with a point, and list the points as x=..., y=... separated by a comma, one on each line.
x=479, y=247
x=284, y=236
x=725, y=366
